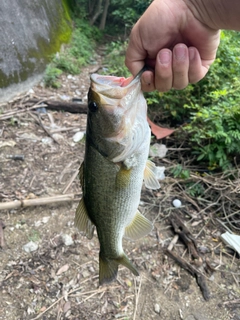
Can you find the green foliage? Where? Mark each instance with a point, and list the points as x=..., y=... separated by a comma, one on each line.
x=210, y=109
x=51, y=77
x=34, y=236
x=180, y=172
x=121, y=14
x=124, y=13
x=195, y=189
x=114, y=59
x=76, y=55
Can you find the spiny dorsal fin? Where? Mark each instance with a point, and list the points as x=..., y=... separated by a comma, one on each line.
x=82, y=221
x=150, y=179
x=138, y=228
x=108, y=268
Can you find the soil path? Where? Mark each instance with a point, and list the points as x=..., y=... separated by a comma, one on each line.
x=59, y=279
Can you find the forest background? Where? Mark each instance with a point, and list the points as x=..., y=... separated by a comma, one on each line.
x=205, y=116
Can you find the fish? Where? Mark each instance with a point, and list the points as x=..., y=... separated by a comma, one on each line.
x=114, y=168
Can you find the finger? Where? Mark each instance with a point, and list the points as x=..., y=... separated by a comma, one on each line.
x=147, y=81
x=163, y=70
x=180, y=66
x=196, y=70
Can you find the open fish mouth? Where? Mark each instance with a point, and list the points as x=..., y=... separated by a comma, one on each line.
x=112, y=81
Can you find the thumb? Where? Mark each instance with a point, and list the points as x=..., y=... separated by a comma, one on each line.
x=135, y=54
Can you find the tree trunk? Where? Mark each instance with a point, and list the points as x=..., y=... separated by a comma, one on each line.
x=97, y=13
x=104, y=15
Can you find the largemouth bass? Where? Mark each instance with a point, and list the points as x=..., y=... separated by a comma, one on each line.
x=115, y=165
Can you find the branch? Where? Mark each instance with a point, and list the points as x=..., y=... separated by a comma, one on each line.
x=38, y=201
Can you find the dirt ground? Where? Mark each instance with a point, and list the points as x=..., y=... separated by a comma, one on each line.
x=59, y=279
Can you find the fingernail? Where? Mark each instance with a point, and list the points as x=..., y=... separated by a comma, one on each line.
x=180, y=52
x=191, y=53
x=164, y=57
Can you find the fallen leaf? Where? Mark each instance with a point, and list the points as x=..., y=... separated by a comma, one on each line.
x=8, y=143
x=63, y=269
x=159, y=132
x=67, y=306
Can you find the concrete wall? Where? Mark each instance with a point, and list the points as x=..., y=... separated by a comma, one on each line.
x=30, y=32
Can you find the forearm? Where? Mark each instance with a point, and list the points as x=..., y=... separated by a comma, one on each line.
x=217, y=14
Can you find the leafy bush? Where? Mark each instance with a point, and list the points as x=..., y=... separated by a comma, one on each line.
x=210, y=109
x=51, y=77
x=115, y=59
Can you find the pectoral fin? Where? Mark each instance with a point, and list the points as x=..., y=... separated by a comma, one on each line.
x=138, y=228
x=82, y=221
x=150, y=179
x=108, y=268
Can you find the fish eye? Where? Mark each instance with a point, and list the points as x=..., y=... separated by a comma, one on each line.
x=92, y=106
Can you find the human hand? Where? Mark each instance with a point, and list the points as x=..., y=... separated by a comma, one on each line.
x=179, y=47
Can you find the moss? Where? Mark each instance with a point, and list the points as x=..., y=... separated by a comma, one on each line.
x=36, y=59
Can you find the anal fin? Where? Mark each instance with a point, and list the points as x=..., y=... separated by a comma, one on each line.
x=139, y=227
x=82, y=221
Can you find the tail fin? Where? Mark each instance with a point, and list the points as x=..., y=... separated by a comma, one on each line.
x=108, y=268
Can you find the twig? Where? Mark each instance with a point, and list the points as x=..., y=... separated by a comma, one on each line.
x=137, y=298
x=69, y=294
x=39, y=121
x=9, y=115
x=185, y=235
x=236, y=301
x=71, y=181
x=38, y=201
x=188, y=267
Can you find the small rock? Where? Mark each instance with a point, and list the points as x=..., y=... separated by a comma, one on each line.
x=57, y=136
x=78, y=136
x=41, y=110
x=85, y=274
x=30, y=246
x=67, y=240
x=45, y=219
x=37, y=223
x=64, y=97
x=47, y=140
x=177, y=203
x=78, y=92
x=30, y=91
x=157, y=308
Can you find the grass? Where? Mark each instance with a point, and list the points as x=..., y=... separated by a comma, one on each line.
x=77, y=54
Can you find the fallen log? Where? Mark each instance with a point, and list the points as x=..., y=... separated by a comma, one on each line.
x=56, y=105
x=38, y=201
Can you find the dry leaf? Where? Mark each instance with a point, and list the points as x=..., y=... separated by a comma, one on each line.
x=63, y=269
x=67, y=306
x=159, y=132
